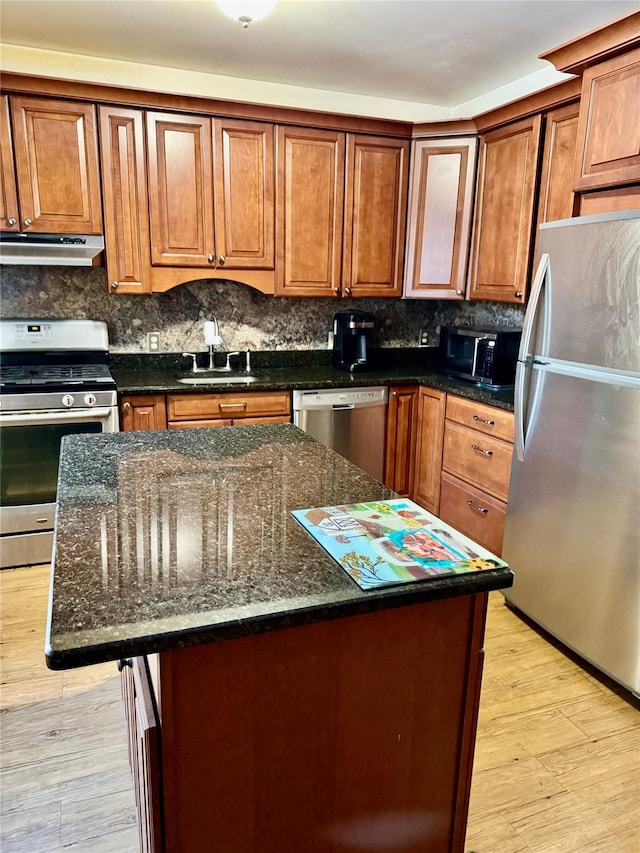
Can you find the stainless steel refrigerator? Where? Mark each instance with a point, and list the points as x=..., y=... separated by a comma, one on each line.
x=572, y=534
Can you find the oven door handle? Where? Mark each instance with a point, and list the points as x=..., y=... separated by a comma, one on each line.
x=57, y=417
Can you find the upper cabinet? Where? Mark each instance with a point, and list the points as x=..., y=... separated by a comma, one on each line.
x=377, y=172
x=50, y=178
x=502, y=231
x=310, y=211
x=556, y=197
x=439, y=221
x=341, y=213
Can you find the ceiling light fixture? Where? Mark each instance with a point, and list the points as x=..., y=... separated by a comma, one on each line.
x=246, y=11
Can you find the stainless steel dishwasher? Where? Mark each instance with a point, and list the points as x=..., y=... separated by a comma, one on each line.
x=351, y=421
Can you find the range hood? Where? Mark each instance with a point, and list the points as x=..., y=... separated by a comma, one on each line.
x=69, y=250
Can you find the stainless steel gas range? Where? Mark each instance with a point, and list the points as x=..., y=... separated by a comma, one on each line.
x=54, y=381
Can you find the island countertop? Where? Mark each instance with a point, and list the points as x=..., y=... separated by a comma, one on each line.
x=171, y=539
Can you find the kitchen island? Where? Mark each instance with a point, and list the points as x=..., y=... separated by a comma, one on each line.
x=272, y=705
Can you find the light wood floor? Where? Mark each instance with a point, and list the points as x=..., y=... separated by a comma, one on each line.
x=557, y=766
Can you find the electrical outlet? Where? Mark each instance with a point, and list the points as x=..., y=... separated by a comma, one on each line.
x=424, y=338
x=153, y=341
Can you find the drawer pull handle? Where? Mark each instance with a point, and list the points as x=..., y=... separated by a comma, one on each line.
x=482, y=421
x=480, y=450
x=232, y=405
x=477, y=508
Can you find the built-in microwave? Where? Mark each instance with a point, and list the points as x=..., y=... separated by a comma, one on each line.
x=486, y=355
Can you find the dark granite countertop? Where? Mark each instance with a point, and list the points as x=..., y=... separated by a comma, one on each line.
x=301, y=370
x=175, y=538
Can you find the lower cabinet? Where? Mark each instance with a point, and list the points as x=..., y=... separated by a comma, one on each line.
x=211, y=410
x=401, y=439
x=143, y=413
x=476, y=468
x=431, y=409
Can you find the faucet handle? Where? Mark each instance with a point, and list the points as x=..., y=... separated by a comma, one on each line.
x=194, y=356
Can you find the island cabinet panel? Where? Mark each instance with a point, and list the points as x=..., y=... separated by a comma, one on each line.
x=144, y=751
x=310, y=211
x=55, y=146
x=439, y=220
x=377, y=172
x=504, y=213
x=143, y=413
x=556, y=198
x=430, y=431
x=180, y=157
x=302, y=738
x=9, y=214
x=608, y=151
x=244, y=194
x=124, y=189
x=402, y=415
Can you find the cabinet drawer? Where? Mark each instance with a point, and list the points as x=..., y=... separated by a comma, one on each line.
x=486, y=419
x=473, y=512
x=479, y=459
x=191, y=407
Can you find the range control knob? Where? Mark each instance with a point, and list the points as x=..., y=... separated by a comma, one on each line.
x=89, y=399
x=67, y=401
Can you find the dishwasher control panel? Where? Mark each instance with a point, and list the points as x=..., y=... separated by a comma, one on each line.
x=339, y=397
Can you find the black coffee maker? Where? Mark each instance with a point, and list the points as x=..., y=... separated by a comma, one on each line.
x=352, y=330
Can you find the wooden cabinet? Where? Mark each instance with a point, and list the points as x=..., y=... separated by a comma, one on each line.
x=504, y=212
x=310, y=211
x=430, y=429
x=124, y=189
x=439, y=220
x=476, y=467
x=54, y=150
x=143, y=413
x=608, y=152
x=402, y=415
x=556, y=196
x=180, y=156
x=375, y=213
x=143, y=735
x=226, y=409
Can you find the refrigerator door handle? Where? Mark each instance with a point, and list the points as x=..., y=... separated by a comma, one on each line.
x=518, y=407
x=532, y=308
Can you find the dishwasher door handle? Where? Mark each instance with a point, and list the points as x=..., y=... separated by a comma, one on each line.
x=340, y=408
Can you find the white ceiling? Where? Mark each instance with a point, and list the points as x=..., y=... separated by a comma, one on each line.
x=412, y=59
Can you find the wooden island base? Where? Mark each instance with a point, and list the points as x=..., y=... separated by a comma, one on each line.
x=354, y=734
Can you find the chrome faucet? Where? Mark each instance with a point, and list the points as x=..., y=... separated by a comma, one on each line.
x=211, y=368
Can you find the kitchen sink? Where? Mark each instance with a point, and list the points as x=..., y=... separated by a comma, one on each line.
x=218, y=379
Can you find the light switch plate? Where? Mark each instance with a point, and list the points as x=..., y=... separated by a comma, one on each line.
x=153, y=341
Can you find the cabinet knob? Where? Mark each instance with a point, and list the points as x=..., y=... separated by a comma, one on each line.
x=459, y=293
x=518, y=294
x=347, y=290
x=27, y=223
x=336, y=290
x=11, y=220
x=221, y=260
x=211, y=258
x=115, y=285
x=124, y=662
x=126, y=406
x=394, y=393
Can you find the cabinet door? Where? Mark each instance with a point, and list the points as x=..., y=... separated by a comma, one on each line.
x=439, y=226
x=9, y=217
x=375, y=214
x=430, y=432
x=310, y=211
x=180, y=155
x=556, y=199
x=401, y=432
x=124, y=188
x=608, y=148
x=244, y=194
x=56, y=156
x=502, y=231
x=143, y=413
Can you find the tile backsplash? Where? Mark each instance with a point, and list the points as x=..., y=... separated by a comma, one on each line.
x=246, y=317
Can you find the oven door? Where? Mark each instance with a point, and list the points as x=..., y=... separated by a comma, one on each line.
x=29, y=453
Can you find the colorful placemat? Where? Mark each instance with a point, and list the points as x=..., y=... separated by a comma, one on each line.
x=392, y=542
